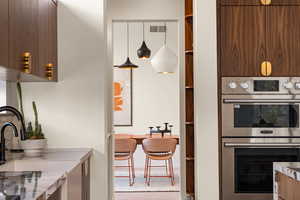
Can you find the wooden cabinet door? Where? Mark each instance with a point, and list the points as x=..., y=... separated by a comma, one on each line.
x=283, y=44
x=4, y=33
x=259, y=2
x=243, y=40
x=53, y=37
x=86, y=175
x=74, y=181
x=285, y=2
x=47, y=37
x=241, y=2
x=23, y=32
x=43, y=36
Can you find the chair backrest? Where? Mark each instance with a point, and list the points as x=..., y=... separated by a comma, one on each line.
x=159, y=145
x=125, y=145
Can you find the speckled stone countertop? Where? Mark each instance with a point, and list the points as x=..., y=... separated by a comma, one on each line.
x=291, y=169
x=24, y=178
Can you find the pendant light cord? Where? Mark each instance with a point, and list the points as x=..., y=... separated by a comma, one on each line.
x=143, y=31
x=127, y=39
x=165, y=34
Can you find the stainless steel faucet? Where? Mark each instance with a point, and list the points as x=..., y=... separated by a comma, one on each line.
x=2, y=144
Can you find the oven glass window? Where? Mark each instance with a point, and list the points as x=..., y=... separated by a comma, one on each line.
x=254, y=167
x=266, y=116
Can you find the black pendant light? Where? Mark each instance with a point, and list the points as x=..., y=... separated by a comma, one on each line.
x=128, y=64
x=144, y=52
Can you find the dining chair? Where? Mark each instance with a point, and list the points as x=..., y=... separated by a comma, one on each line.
x=124, y=150
x=159, y=149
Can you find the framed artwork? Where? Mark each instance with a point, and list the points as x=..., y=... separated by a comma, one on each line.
x=122, y=97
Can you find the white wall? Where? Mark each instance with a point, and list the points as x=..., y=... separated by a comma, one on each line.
x=155, y=97
x=145, y=9
x=3, y=93
x=73, y=111
x=207, y=174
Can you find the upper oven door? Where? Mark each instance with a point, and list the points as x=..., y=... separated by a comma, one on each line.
x=260, y=115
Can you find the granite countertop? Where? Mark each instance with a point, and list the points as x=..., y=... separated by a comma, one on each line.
x=291, y=169
x=24, y=178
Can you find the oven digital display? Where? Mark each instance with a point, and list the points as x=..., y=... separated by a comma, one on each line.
x=266, y=85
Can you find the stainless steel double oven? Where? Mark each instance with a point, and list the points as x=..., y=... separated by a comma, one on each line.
x=260, y=125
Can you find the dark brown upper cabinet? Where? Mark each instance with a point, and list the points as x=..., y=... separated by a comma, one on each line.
x=28, y=27
x=23, y=33
x=250, y=35
x=242, y=40
x=259, y=2
x=283, y=43
x=4, y=33
x=53, y=38
x=47, y=39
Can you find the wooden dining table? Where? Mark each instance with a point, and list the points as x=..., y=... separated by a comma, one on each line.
x=140, y=137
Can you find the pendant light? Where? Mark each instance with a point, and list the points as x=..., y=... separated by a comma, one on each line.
x=165, y=60
x=128, y=64
x=144, y=52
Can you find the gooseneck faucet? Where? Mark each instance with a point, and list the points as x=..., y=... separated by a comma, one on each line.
x=2, y=144
x=20, y=118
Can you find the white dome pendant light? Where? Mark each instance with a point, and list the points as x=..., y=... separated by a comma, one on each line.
x=165, y=61
x=128, y=64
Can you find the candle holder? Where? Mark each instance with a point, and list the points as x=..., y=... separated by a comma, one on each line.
x=167, y=129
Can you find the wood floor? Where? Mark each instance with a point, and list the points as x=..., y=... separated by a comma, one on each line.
x=147, y=196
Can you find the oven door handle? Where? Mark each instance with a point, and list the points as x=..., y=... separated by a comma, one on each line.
x=261, y=145
x=230, y=101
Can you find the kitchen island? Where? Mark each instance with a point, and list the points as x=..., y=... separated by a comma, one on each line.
x=61, y=174
x=286, y=181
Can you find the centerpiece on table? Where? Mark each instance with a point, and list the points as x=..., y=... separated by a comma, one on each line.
x=35, y=142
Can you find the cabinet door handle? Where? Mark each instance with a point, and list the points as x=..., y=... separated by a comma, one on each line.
x=27, y=62
x=266, y=68
x=49, y=71
x=266, y=2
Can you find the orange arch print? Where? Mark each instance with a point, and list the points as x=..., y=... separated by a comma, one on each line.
x=118, y=99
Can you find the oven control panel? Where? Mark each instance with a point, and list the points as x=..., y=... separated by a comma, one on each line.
x=261, y=85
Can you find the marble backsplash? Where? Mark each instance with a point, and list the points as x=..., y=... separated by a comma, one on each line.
x=12, y=142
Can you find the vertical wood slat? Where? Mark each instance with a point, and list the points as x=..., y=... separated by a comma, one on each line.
x=189, y=95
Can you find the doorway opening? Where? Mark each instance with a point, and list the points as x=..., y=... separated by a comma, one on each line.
x=147, y=160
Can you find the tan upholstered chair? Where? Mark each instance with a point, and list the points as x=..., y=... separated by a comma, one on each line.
x=124, y=150
x=159, y=149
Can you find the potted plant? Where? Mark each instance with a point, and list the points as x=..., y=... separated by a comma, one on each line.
x=35, y=142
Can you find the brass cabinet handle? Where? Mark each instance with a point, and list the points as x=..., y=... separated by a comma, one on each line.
x=266, y=2
x=266, y=68
x=49, y=71
x=27, y=62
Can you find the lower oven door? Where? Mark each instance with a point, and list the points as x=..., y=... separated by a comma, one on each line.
x=247, y=166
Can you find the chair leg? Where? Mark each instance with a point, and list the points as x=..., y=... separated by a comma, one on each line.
x=146, y=167
x=172, y=172
x=133, y=169
x=167, y=171
x=149, y=172
x=146, y=170
x=130, y=173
